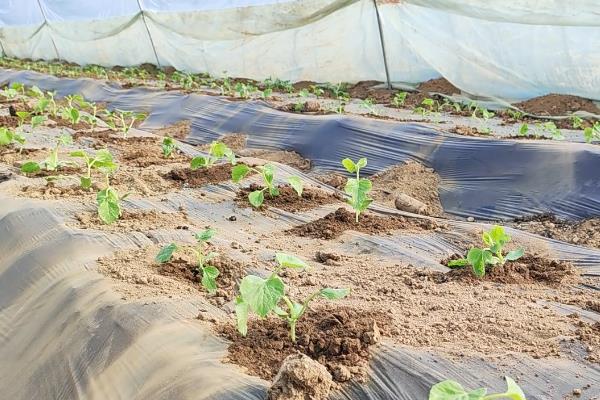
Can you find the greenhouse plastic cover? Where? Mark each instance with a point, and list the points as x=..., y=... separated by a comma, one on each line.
x=495, y=49
x=64, y=334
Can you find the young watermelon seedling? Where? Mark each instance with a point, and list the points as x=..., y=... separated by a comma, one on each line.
x=168, y=145
x=102, y=159
x=217, y=151
x=108, y=199
x=267, y=172
x=209, y=272
x=480, y=258
x=358, y=188
x=263, y=296
x=452, y=390
x=52, y=162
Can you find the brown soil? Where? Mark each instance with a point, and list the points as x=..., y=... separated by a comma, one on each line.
x=439, y=85
x=590, y=335
x=66, y=170
x=583, y=233
x=11, y=155
x=468, y=131
x=235, y=141
x=366, y=90
x=288, y=199
x=308, y=107
x=9, y=122
x=336, y=223
x=201, y=176
x=139, y=220
x=52, y=191
x=286, y=157
x=411, y=178
x=179, y=130
x=230, y=273
x=337, y=337
x=527, y=269
x=298, y=86
x=557, y=104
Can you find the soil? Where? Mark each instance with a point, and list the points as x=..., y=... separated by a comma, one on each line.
x=201, y=176
x=131, y=221
x=366, y=90
x=468, y=131
x=337, y=337
x=288, y=199
x=9, y=122
x=179, y=130
x=590, y=335
x=230, y=273
x=582, y=233
x=235, y=141
x=13, y=155
x=336, y=223
x=52, y=191
x=413, y=179
x=61, y=171
x=557, y=104
x=439, y=85
x=527, y=269
x=286, y=157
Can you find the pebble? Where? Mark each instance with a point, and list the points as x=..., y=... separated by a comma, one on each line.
x=232, y=218
x=577, y=392
x=235, y=245
x=470, y=219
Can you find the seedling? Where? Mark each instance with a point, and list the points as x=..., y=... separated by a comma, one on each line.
x=399, y=99
x=514, y=114
x=168, y=145
x=108, y=199
x=553, y=130
x=368, y=105
x=244, y=91
x=217, y=151
x=102, y=159
x=203, y=256
x=483, y=121
x=23, y=116
x=123, y=120
x=8, y=137
x=263, y=296
x=452, y=390
x=357, y=188
x=267, y=171
x=52, y=162
x=37, y=120
x=71, y=114
x=577, y=122
x=592, y=133
x=41, y=105
x=523, y=130
x=338, y=90
x=317, y=91
x=278, y=84
x=479, y=258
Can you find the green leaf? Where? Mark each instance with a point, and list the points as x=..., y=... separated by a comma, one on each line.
x=241, y=314
x=218, y=149
x=30, y=167
x=6, y=137
x=290, y=261
x=498, y=238
x=239, y=172
x=109, y=212
x=268, y=172
x=85, y=182
x=451, y=390
x=199, y=162
x=37, y=120
x=65, y=139
x=209, y=278
x=165, y=254
x=358, y=190
x=296, y=311
x=78, y=153
x=280, y=312
x=262, y=295
x=296, y=183
x=205, y=235
x=458, y=263
x=478, y=258
x=514, y=255
x=523, y=130
x=349, y=165
x=334, y=294
x=256, y=198
x=513, y=391
x=361, y=163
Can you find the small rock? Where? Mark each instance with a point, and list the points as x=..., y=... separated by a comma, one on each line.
x=312, y=106
x=300, y=378
x=235, y=245
x=324, y=256
x=341, y=373
x=232, y=218
x=470, y=219
x=577, y=392
x=374, y=336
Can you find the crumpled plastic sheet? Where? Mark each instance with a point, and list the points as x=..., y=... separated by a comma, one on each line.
x=484, y=178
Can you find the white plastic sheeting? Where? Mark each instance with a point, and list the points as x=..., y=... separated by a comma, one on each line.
x=507, y=50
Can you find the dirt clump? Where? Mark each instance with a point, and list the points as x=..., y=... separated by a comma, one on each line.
x=334, y=336
x=367, y=90
x=413, y=179
x=188, y=177
x=9, y=121
x=300, y=378
x=288, y=199
x=52, y=191
x=557, y=104
x=527, y=269
x=336, y=223
x=583, y=233
x=589, y=334
x=426, y=90
x=235, y=141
